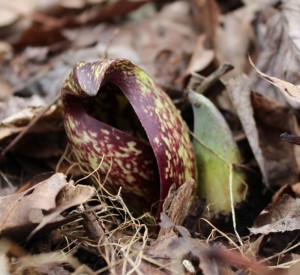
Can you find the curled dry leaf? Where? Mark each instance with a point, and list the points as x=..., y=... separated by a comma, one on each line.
x=288, y=89
x=23, y=212
x=290, y=189
x=68, y=197
x=120, y=122
x=217, y=156
x=280, y=216
x=278, y=57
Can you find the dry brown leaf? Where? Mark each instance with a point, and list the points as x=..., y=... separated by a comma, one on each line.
x=11, y=11
x=16, y=123
x=263, y=122
x=71, y=195
x=5, y=51
x=206, y=16
x=176, y=208
x=201, y=57
x=240, y=93
x=278, y=56
x=19, y=209
x=73, y=4
x=22, y=212
x=281, y=158
x=288, y=89
x=5, y=89
x=292, y=190
x=233, y=38
x=170, y=251
x=164, y=48
x=291, y=14
x=175, y=254
x=281, y=216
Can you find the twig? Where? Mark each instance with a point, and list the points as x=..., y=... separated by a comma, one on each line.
x=91, y=224
x=203, y=84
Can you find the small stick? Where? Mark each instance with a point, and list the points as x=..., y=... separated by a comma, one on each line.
x=213, y=78
x=290, y=138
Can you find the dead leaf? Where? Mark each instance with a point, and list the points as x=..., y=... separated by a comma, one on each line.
x=44, y=139
x=99, y=11
x=177, y=207
x=165, y=47
x=5, y=89
x=240, y=94
x=233, y=38
x=201, y=57
x=11, y=11
x=278, y=57
x=281, y=158
x=292, y=190
x=281, y=216
x=73, y=4
x=71, y=195
x=288, y=89
x=263, y=122
x=17, y=208
x=170, y=251
x=291, y=12
x=6, y=51
x=22, y=212
x=206, y=13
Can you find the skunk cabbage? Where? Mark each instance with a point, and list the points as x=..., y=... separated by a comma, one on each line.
x=115, y=113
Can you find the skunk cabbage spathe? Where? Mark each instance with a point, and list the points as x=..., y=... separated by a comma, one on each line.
x=113, y=111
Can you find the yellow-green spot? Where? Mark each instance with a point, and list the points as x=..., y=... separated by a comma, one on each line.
x=86, y=137
x=166, y=140
x=131, y=148
x=93, y=161
x=71, y=123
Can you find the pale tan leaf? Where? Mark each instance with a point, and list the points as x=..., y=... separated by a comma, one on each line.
x=73, y=4
x=240, y=94
x=291, y=14
x=201, y=57
x=233, y=37
x=70, y=196
x=40, y=205
x=278, y=55
x=281, y=216
x=288, y=89
x=17, y=209
x=206, y=16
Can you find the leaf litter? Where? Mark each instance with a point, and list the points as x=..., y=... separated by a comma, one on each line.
x=65, y=223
